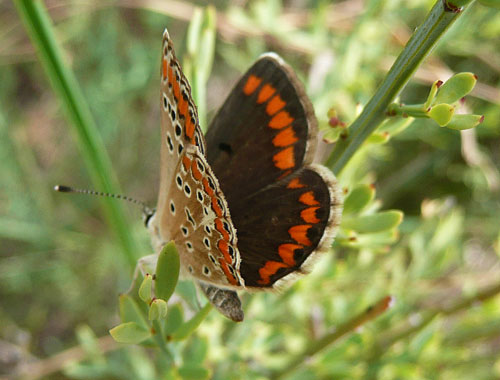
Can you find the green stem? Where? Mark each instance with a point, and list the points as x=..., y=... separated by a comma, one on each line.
x=439, y=19
x=416, y=110
x=160, y=340
x=397, y=333
x=41, y=32
x=316, y=346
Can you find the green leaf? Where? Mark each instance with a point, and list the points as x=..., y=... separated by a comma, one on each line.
x=457, y=4
x=145, y=290
x=157, y=310
x=455, y=88
x=441, y=114
x=378, y=138
x=174, y=320
x=195, y=350
x=188, y=327
x=461, y=122
x=130, y=311
x=207, y=47
x=394, y=126
x=193, y=372
x=491, y=3
x=376, y=239
x=193, y=33
x=358, y=198
x=378, y=222
x=167, y=272
x=129, y=332
x=41, y=31
x=88, y=341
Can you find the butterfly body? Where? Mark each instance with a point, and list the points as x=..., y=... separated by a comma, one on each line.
x=245, y=205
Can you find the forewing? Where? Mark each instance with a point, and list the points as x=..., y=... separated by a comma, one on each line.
x=179, y=118
x=264, y=131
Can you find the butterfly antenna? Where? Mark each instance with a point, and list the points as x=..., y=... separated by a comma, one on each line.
x=148, y=212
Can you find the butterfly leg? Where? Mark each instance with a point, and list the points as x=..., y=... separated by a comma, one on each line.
x=225, y=301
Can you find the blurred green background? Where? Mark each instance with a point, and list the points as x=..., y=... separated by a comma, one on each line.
x=62, y=268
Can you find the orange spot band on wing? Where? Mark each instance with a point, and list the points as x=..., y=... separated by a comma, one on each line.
x=265, y=93
x=216, y=208
x=228, y=274
x=170, y=75
x=280, y=120
x=190, y=128
x=299, y=234
x=183, y=106
x=207, y=187
x=220, y=227
x=285, y=137
x=274, y=105
x=196, y=172
x=308, y=199
x=295, y=184
x=251, y=85
x=309, y=215
x=186, y=162
x=286, y=251
x=177, y=90
x=224, y=248
x=268, y=270
x=165, y=68
x=284, y=159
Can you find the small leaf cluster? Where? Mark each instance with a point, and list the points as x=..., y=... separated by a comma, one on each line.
x=147, y=320
x=363, y=225
x=442, y=102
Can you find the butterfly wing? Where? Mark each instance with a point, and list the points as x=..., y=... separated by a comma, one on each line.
x=260, y=146
x=179, y=118
x=265, y=130
x=191, y=210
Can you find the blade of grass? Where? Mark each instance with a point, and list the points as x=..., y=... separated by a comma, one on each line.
x=40, y=30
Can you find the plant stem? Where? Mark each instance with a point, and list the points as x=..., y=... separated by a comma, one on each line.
x=318, y=345
x=390, y=337
x=41, y=32
x=439, y=19
x=159, y=338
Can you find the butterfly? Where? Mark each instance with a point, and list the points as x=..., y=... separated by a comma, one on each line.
x=245, y=205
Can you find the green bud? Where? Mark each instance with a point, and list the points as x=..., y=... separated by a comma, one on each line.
x=332, y=135
x=432, y=93
x=145, y=290
x=378, y=222
x=455, y=88
x=441, y=114
x=461, y=122
x=157, y=310
x=129, y=332
x=358, y=198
